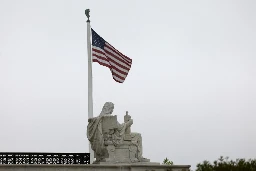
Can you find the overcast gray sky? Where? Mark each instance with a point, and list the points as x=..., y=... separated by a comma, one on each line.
x=191, y=89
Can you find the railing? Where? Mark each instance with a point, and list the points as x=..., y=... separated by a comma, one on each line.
x=44, y=158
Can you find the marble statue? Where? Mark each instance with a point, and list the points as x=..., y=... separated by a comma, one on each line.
x=113, y=142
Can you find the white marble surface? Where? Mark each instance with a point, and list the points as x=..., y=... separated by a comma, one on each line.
x=95, y=167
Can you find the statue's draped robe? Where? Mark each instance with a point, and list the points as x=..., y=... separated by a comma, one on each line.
x=95, y=135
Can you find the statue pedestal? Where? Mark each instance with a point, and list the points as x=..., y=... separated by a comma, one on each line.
x=124, y=153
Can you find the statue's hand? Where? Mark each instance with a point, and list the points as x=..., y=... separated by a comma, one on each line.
x=90, y=119
x=129, y=123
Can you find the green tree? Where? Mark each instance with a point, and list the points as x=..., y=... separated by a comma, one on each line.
x=224, y=164
x=167, y=161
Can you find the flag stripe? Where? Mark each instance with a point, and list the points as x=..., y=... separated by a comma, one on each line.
x=109, y=64
x=118, y=79
x=120, y=54
x=100, y=62
x=117, y=55
x=118, y=63
x=109, y=58
x=118, y=59
x=123, y=75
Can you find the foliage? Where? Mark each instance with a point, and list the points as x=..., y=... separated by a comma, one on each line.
x=224, y=164
x=167, y=161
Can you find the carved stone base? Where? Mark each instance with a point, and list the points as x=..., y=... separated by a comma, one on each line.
x=124, y=153
x=134, y=164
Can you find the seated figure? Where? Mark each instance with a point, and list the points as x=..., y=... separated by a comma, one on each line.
x=113, y=142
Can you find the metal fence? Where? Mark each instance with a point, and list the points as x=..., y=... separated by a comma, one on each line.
x=44, y=158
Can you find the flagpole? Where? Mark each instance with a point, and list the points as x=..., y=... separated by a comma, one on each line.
x=90, y=100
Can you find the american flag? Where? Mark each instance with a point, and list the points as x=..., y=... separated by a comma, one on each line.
x=108, y=56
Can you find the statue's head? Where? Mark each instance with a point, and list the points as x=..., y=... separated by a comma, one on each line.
x=107, y=108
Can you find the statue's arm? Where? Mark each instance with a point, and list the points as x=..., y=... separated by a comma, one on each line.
x=129, y=123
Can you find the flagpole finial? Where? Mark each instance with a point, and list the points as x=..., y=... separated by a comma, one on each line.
x=87, y=13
